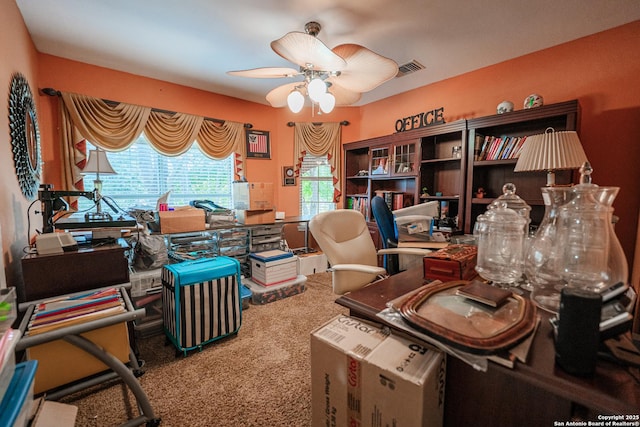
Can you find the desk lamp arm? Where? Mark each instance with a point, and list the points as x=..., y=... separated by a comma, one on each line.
x=51, y=200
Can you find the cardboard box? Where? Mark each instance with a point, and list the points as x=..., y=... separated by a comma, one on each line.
x=60, y=362
x=337, y=352
x=453, y=262
x=181, y=220
x=403, y=384
x=54, y=414
x=256, y=217
x=273, y=267
x=362, y=376
x=312, y=263
x=253, y=196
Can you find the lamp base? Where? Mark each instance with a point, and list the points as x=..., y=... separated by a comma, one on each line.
x=97, y=216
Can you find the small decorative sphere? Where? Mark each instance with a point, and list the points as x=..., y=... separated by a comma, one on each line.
x=505, y=107
x=533, y=100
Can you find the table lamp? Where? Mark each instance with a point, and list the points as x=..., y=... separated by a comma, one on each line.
x=551, y=151
x=98, y=163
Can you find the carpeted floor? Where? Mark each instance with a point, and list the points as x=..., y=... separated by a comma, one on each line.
x=261, y=377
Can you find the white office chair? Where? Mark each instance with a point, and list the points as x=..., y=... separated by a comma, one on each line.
x=344, y=238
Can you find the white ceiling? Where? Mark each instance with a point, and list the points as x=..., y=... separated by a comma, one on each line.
x=195, y=42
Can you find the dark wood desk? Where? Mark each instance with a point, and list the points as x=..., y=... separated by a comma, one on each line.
x=45, y=276
x=537, y=393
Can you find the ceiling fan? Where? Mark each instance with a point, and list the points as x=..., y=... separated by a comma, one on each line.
x=330, y=77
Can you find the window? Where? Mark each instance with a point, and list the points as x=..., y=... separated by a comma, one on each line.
x=143, y=175
x=316, y=186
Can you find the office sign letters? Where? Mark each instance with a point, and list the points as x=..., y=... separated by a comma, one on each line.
x=421, y=120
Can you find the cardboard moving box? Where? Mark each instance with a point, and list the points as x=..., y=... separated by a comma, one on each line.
x=312, y=263
x=403, y=385
x=362, y=376
x=337, y=352
x=256, y=217
x=253, y=196
x=273, y=267
x=182, y=220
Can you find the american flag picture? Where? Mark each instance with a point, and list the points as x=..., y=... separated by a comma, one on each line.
x=258, y=144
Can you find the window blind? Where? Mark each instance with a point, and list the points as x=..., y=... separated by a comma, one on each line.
x=316, y=186
x=143, y=175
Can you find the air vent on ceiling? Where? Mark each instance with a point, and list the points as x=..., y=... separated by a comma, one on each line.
x=409, y=67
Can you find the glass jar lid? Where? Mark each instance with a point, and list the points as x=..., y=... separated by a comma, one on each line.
x=512, y=200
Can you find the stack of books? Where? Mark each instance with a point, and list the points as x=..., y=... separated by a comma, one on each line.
x=71, y=310
x=499, y=148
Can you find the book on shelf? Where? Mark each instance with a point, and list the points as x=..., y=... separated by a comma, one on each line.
x=518, y=148
x=485, y=147
x=508, y=146
x=359, y=203
x=499, y=148
x=478, y=146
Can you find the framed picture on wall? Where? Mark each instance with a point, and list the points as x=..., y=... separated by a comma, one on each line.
x=288, y=176
x=258, y=144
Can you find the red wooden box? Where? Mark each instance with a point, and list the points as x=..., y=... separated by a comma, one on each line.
x=453, y=262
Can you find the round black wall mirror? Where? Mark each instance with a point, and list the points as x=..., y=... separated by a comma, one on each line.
x=25, y=136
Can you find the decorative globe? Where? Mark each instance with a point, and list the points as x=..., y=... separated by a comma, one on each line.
x=505, y=107
x=533, y=100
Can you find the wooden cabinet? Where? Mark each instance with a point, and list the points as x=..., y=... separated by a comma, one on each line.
x=387, y=166
x=443, y=159
x=442, y=171
x=398, y=166
x=491, y=175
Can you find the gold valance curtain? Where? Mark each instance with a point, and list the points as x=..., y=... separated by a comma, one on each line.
x=115, y=126
x=319, y=139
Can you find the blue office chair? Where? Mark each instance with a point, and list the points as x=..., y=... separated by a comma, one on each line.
x=384, y=219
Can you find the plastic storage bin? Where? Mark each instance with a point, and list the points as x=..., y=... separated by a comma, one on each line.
x=15, y=409
x=7, y=359
x=7, y=308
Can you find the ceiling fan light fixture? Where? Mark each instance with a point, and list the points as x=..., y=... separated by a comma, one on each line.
x=327, y=102
x=316, y=88
x=295, y=101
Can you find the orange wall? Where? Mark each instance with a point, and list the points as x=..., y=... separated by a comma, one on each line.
x=602, y=71
x=70, y=76
x=18, y=55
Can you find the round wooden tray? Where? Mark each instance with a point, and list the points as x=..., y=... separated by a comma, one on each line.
x=468, y=325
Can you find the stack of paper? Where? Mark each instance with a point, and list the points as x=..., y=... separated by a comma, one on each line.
x=66, y=311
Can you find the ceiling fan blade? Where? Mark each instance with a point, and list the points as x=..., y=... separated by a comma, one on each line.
x=278, y=96
x=307, y=51
x=266, y=73
x=365, y=69
x=343, y=95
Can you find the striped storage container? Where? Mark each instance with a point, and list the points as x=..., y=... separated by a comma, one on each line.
x=201, y=301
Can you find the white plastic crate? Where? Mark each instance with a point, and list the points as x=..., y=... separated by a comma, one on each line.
x=7, y=358
x=144, y=280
